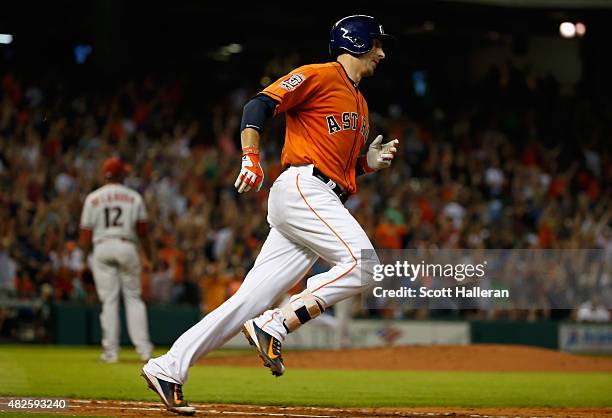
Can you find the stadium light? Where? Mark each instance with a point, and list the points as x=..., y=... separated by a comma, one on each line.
x=234, y=48
x=567, y=29
x=6, y=38
x=225, y=52
x=580, y=29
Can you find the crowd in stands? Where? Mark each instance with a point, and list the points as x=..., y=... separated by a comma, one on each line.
x=515, y=165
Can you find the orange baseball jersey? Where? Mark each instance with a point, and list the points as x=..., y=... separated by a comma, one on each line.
x=326, y=118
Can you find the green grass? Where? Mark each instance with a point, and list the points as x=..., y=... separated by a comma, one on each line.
x=76, y=372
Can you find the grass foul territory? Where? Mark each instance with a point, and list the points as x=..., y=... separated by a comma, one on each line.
x=77, y=373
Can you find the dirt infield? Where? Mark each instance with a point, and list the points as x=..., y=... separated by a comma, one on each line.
x=148, y=409
x=485, y=357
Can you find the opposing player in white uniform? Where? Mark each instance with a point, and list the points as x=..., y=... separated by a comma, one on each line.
x=327, y=125
x=115, y=219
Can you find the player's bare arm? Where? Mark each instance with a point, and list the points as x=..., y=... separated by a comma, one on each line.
x=85, y=242
x=249, y=138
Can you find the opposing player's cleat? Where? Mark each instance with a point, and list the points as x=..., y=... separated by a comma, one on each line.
x=144, y=354
x=171, y=394
x=146, y=357
x=268, y=347
x=109, y=358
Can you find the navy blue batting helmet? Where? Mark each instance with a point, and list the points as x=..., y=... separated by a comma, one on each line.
x=355, y=34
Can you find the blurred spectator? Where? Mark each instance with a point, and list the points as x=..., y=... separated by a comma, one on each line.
x=487, y=169
x=162, y=281
x=8, y=269
x=214, y=286
x=593, y=311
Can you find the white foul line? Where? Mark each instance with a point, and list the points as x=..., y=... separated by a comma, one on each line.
x=210, y=411
x=202, y=409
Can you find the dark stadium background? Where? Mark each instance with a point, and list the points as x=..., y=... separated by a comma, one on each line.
x=130, y=39
x=182, y=35
x=183, y=41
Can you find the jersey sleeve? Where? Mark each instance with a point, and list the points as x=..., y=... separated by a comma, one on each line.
x=87, y=221
x=294, y=89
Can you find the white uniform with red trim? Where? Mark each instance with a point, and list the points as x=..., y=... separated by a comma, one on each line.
x=112, y=213
x=307, y=221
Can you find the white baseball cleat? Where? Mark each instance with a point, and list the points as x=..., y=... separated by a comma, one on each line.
x=109, y=358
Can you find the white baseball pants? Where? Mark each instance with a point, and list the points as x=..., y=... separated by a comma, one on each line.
x=307, y=221
x=116, y=267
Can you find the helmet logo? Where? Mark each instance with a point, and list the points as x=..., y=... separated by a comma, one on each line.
x=354, y=40
x=382, y=31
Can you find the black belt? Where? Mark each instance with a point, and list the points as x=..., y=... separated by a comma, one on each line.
x=340, y=192
x=109, y=238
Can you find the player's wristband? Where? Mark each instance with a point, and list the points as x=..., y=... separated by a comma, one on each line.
x=249, y=150
x=362, y=166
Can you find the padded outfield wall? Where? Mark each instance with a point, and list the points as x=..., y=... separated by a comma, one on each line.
x=79, y=325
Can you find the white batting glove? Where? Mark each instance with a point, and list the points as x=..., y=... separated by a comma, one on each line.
x=380, y=155
x=251, y=174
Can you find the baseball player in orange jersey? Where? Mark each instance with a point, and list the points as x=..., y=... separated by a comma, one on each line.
x=327, y=125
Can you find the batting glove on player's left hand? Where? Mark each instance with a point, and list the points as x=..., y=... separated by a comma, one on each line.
x=251, y=174
x=380, y=155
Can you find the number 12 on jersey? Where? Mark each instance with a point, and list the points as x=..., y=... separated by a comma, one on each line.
x=112, y=217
